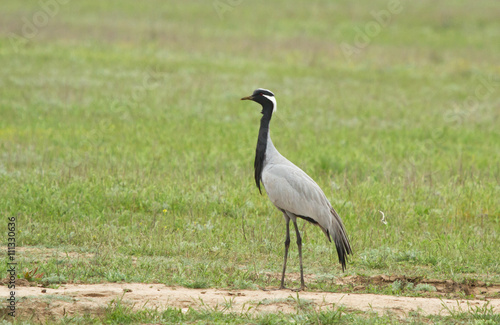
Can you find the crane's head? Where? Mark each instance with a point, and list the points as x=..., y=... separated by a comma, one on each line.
x=264, y=97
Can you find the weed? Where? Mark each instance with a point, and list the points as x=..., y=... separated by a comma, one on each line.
x=425, y=287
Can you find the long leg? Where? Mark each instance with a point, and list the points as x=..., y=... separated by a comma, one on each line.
x=287, y=244
x=299, y=244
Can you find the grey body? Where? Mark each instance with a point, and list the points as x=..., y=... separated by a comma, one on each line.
x=292, y=191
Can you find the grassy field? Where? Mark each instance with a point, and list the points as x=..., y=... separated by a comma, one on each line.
x=122, y=137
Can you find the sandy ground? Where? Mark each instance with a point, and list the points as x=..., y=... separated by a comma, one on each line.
x=71, y=299
x=42, y=304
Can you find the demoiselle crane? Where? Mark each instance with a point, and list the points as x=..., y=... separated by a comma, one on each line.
x=292, y=191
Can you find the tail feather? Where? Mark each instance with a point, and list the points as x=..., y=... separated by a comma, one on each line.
x=339, y=234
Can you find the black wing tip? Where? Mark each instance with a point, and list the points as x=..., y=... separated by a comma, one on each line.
x=343, y=261
x=341, y=241
x=258, y=186
x=343, y=250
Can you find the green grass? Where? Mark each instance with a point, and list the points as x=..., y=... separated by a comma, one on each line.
x=122, y=135
x=118, y=313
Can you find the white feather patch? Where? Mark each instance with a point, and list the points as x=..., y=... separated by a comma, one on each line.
x=273, y=100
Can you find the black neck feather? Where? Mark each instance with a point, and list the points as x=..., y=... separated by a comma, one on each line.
x=260, y=152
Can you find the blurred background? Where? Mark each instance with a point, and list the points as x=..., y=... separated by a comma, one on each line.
x=121, y=131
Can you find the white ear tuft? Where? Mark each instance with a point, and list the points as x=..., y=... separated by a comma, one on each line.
x=273, y=100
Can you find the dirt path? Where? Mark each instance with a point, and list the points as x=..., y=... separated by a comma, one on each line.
x=73, y=299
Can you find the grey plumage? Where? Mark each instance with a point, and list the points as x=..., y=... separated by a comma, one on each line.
x=292, y=191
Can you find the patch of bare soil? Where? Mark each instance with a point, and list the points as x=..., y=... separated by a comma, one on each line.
x=41, y=304
x=444, y=288
x=451, y=288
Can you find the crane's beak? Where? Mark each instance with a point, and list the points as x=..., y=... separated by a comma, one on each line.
x=247, y=98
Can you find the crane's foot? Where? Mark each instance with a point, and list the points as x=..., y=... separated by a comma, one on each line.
x=284, y=288
x=302, y=288
x=273, y=289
